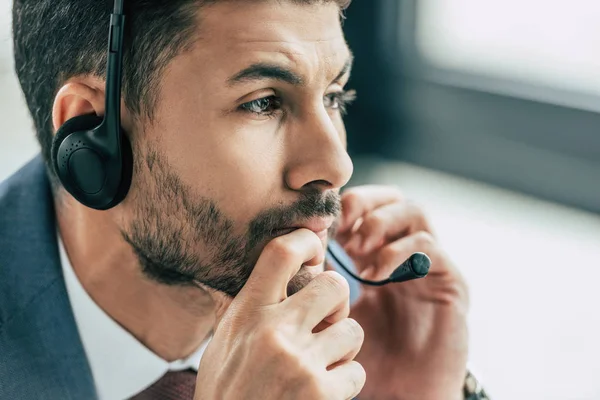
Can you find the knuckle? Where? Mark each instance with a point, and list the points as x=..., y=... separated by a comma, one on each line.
x=334, y=281
x=267, y=336
x=457, y=293
x=268, y=345
x=455, y=298
x=353, y=329
x=375, y=221
x=387, y=255
x=303, y=379
x=420, y=216
x=275, y=333
x=358, y=377
x=281, y=249
x=414, y=207
x=351, y=195
x=296, y=369
x=455, y=290
x=278, y=345
x=424, y=240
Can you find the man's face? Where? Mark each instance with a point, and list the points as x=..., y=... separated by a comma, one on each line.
x=247, y=140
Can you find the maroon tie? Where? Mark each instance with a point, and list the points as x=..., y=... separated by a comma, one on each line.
x=174, y=385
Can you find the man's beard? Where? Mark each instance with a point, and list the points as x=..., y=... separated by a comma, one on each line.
x=180, y=239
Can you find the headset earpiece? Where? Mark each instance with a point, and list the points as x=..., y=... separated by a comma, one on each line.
x=93, y=172
x=85, y=122
x=91, y=155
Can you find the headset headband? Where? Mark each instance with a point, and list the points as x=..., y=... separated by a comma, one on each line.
x=112, y=113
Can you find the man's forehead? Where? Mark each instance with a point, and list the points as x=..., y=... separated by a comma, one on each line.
x=254, y=20
x=297, y=35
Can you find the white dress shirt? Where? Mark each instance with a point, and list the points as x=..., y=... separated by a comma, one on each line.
x=121, y=365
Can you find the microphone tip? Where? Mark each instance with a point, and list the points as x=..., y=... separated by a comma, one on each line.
x=420, y=263
x=415, y=267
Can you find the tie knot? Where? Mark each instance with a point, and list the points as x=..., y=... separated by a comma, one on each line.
x=174, y=385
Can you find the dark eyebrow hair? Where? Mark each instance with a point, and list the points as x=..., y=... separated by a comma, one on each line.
x=261, y=71
x=265, y=71
x=346, y=69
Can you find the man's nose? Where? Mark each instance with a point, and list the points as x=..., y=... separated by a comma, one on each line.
x=317, y=154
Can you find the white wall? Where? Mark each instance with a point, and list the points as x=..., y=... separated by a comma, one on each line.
x=533, y=268
x=17, y=137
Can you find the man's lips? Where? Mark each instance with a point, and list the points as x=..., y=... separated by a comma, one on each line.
x=320, y=226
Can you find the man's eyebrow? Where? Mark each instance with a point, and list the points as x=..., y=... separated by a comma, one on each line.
x=260, y=71
x=346, y=69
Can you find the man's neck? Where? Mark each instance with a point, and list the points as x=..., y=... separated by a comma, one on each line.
x=171, y=321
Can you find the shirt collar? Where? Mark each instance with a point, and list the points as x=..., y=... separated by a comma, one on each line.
x=121, y=365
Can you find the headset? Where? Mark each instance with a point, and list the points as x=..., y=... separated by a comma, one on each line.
x=90, y=154
x=93, y=160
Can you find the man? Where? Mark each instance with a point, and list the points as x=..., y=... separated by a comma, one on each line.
x=208, y=280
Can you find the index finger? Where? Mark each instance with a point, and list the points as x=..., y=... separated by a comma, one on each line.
x=278, y=263
x=358, y=201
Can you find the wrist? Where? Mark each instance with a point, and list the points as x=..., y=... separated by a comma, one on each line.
x=471, y=389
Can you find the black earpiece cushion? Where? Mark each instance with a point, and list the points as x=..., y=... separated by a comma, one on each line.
x=80, y=123
x=89, y=122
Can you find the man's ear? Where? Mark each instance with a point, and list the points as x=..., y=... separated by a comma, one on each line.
x=77, y=98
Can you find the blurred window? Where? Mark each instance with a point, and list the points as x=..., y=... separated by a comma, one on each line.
x=506, y=92
x=554, y=44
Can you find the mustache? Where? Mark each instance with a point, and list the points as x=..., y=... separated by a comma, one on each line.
x=313, y=204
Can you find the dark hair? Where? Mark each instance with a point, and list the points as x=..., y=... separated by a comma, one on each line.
x=55, y=40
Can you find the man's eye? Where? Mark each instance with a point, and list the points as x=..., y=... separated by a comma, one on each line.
x=264, y=106
x=339, y=100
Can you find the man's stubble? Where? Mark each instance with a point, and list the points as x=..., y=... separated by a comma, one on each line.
x=180, y=238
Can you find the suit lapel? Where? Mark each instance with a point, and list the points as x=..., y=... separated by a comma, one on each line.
x=42, y=354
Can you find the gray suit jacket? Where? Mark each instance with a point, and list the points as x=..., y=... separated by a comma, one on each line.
x=41, y=354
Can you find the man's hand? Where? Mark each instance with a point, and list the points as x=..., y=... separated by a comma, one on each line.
x=266, y=347
x=415, y=332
